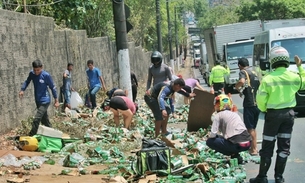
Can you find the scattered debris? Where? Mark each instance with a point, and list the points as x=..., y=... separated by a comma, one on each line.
x=90, y=138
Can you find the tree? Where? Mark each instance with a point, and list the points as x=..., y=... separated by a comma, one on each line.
x=96, y=17
x=218, y=14
x=270, y=9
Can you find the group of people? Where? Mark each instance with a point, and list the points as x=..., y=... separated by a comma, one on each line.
x=274, y=96
x=42, y=80
x=237, y=134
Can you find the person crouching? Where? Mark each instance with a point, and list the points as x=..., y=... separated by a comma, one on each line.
x=120, y=105
x=235, y=137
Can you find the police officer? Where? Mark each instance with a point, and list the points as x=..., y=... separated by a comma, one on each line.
x=276, y=97
x=216, y=79
x=157, y=72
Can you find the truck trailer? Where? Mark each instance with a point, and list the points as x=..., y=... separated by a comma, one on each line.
x=237, y=38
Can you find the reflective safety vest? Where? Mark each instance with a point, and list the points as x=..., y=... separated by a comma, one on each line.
x=277, y=89
x=217, y=74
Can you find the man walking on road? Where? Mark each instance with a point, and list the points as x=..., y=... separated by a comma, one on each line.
x=95, y=82
x=216, y=79
x=41, y=80
x=276, y=97
x=248, y=85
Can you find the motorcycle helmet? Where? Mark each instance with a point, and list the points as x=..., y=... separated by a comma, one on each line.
x=156, y=58
x=279, y=56
x=223, y=101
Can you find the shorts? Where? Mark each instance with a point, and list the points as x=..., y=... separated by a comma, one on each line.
x=251, y=115
x=118, y=103
x=153, y=104
x=187, y=89
x=119, y=93
x=67, y=95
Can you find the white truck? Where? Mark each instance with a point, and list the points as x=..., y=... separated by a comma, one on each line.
x=204, y=59
x=227, y=43
x=231, y=53
x=292, y=39
x=273, y=24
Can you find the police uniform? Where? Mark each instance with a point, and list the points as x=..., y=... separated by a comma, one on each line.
x=276, y=97
x=217, y=78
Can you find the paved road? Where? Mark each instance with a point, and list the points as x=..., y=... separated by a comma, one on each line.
x=296, y=161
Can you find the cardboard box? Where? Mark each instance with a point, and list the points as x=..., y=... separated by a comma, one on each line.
x=201, y=110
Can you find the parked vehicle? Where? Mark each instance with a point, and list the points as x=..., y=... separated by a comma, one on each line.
x=231, y=53
x=196, y=58
x=292, y=39
x=233, y=38
x=203, y=61
x=273, y=24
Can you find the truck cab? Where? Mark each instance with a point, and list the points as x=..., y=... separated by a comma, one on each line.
x=293, y=40
x=231, y=53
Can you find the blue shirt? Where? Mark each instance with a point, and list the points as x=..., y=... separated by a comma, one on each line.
x=41, y=83
x=163, y=92
x=94, y=77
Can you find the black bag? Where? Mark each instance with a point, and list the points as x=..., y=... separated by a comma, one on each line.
x=154, y=157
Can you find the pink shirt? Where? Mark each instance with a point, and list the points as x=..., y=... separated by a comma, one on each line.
x=129, y=104
x=190, y=82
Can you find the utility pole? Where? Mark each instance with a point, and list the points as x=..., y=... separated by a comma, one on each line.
x=176, y=30
x=159, y=37
x=176, y=41
x=24, y=6
x=169, y=37
x=122, y=45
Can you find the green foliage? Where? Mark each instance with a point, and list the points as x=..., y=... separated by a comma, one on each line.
x=217, y=15
x=143, y=19
x=271, y=9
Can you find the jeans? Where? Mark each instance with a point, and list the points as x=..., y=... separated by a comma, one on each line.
x=92, y=93
x=219, y=144
x=41, y=115
x=67, y=95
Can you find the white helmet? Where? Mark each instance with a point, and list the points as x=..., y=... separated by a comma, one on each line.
x=279, y=56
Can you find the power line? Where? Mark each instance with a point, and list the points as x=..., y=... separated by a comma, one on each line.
x=33, y=5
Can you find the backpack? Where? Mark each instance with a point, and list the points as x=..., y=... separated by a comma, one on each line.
x=254, y=87
x=153, y=157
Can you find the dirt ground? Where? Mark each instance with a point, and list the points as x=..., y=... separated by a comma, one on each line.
x=50, y=173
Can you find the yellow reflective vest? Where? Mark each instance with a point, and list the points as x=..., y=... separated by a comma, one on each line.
x=217, y=74
x=277, y=89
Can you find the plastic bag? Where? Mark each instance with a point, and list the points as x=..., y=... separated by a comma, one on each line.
x=76, y=100
x=49, y=144
x=179, y=100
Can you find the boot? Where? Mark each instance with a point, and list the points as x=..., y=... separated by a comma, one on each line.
x=279, y=169
x=263, y=169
